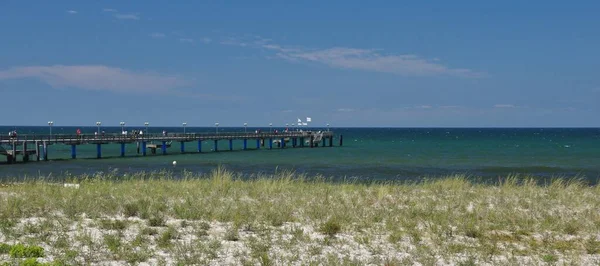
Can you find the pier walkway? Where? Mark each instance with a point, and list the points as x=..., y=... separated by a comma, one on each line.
x=11, y=147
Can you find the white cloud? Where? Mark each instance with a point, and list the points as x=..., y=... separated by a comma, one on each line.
x=109, y=10
x=345, y=110
x=424, y=107
x=72, y=12
x=96, y=77
x=287, y=111
x=234, y=42
x=157, y=35
x=371, y=60
x=186, y=40
x=504, y=106
x=359, y=59
x=127, y=16
x=206, y=40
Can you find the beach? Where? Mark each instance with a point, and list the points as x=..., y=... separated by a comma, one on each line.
x=226, y=218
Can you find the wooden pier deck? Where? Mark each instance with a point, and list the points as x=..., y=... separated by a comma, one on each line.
x=12, y=147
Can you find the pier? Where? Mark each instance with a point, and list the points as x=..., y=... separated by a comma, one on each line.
x=38, y=146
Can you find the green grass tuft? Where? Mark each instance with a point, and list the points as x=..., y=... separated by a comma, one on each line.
x=4, y=248
x=331, y=227
x=113, y=224
x=157, y=221
x=22, y=251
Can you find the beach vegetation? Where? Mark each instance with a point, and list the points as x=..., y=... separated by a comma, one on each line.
x=287, y=218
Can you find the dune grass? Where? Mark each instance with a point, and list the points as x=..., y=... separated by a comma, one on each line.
x=283, y=219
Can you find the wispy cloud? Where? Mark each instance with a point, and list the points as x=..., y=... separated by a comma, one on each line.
x=109, y=10
x=72, y=12
x=504, y=106
x=354, y=58
x=234, y=42
x=206, y=40
x=186, y=40
x=370, y=60
x=129, y=16
x=450, y=106
x=157, y=35
x=345, y=110
x=96, y=77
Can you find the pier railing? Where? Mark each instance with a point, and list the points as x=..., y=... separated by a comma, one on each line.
x=119, y=138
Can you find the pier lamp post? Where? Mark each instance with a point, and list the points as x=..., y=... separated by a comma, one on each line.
x=122, y=126
x=270, y=127
x=146, y=124
x=184, y=125
x=245, y=127
x=50, y=123
x=293, y=126
x=98, y=124
x=217, y=128
x=328, y=127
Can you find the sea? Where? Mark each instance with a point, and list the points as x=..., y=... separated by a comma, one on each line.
x=380, y=154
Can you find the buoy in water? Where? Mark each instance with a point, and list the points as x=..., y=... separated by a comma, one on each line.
x=174, y=163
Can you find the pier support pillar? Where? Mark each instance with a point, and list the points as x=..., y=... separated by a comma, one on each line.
x=143, y=148
x=245, y=144
x=14, y=151
x=216, y=145
x=37, y=151
x=324, y=139
x=164, y=147
x=45, y=150
x=182, y=147
x=199, y=145
x=258, y=144
x=270, y=143
x=122, y=149
x=138, y=147
x=230, y=144
x=312, y=141
x=73, y=151
x=341, y=140
x=98, y=150
x=282, y=143
x=25, y=154
x=331, y=141
x=9, y=159
x=302, y=142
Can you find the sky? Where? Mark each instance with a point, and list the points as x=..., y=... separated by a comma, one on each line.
x=345, y=63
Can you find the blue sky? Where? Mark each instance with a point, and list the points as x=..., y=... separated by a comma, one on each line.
x=347, y=63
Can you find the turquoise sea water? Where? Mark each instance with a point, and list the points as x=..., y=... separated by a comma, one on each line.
x=368, y=153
